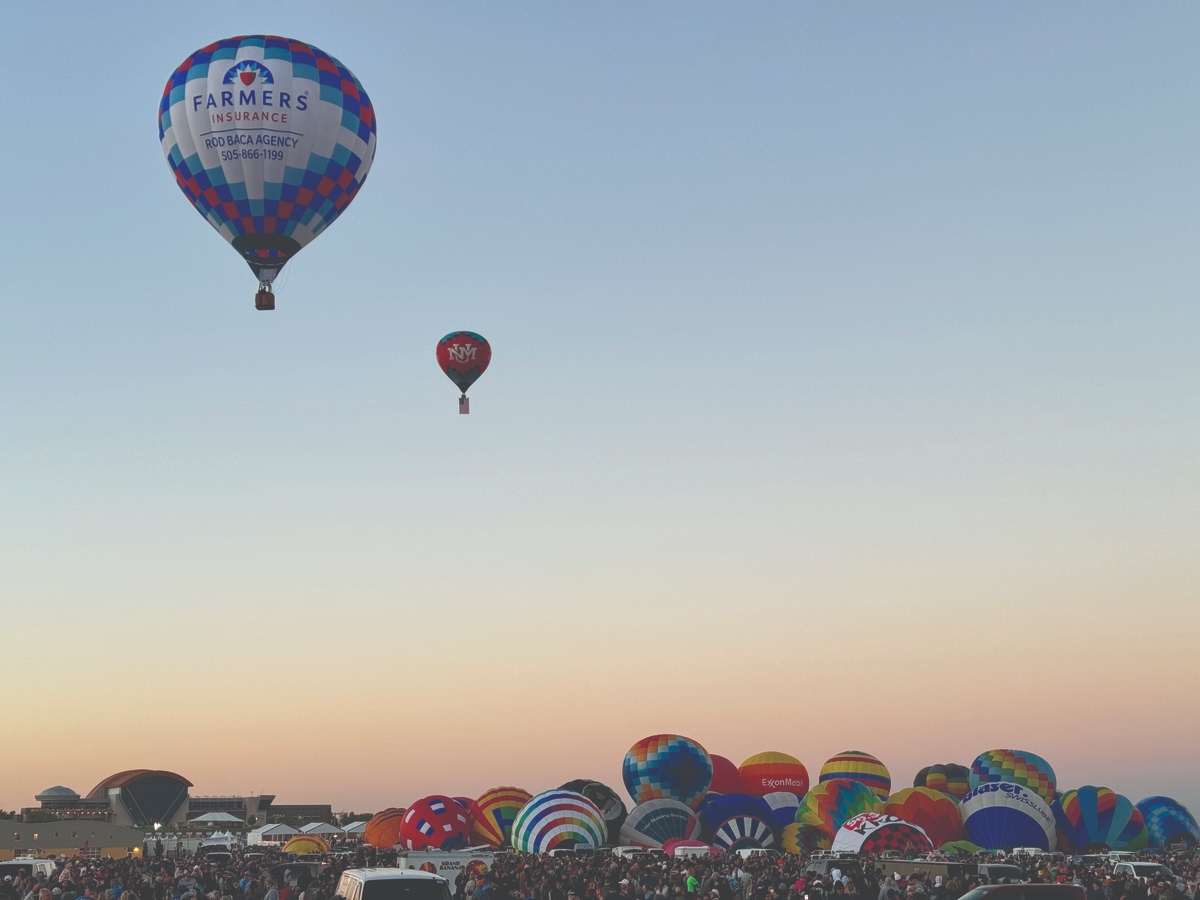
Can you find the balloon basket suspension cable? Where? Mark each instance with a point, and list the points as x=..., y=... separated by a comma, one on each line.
x=265, y=298
x=464, y=405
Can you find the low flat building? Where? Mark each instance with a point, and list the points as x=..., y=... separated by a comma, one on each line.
x=69, y=837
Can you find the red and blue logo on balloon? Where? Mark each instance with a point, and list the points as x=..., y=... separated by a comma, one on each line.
x=247, y=72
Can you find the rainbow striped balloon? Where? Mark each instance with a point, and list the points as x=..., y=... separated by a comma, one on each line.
x=831, y=803
x=493, y=814
x=859, y=766
x=1014, y=767
x=558, y=819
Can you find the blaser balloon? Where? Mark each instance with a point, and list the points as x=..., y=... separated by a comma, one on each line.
x=464, y=356
x=270, y=139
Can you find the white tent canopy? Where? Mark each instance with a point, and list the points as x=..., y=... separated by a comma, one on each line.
x=320, y=828
x=216, y=818
x=270, y=833
x=356, y=828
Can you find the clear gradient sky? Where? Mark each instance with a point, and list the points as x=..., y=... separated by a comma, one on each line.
x=845, y=394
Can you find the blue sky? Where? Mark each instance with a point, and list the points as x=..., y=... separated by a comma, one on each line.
x=806, y=318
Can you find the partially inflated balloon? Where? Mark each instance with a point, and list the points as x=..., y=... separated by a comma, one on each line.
x=859, y=766
x=383, y=828
x=1014, y=767
x=1169, y=822
x=873, y=834
x=726, y=779
x=716, y=809
x=934, y=812
x=270, y=139
x=435, y=823
x=784, y=805
x=306, y=843
x=801, y=839
x=745, y=833
x=669, y=766
x=1098, y=819
x=558, y=820
x=493, y=813
x=653, y=823
x=828, y=805
x=1003, y=815
x=764, y=773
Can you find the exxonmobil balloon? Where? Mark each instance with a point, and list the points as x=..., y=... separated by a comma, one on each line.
x=270, y=139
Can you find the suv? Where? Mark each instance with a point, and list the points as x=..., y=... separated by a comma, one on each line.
x=391, y=884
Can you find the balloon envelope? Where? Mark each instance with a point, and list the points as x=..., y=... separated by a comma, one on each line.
x=609, y=802
x=270, y=140
x=949, y=778
x=745, y=833
x=383, y=828
x=558, y=819
x=828, y=805
x=493, y=813
x=1003, y=815
x=876, y=833
x=784, y=805
x=719, y=808
x=464, y=356
x=1169, y=822
x=667, y=766
x=1014, y=767
x=653, y=823
x=726, y=779
x=932, y=811
x=435, y=823
x=306, y=843
x=764, y=773
x=859, y=766
x=1095, y=819
x=800, y=839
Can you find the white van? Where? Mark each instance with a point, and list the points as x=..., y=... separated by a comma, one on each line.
x=692, y=851
x=31, y=866
x=757, y=852
x=391, y=884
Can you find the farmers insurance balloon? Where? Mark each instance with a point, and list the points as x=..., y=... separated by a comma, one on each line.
x=270, y=139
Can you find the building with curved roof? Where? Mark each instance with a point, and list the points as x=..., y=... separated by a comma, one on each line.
x=148, y=797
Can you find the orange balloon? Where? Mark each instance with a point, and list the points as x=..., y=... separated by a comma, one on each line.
x=383, y=831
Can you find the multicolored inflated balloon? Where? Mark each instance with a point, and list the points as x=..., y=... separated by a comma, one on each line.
x=464, y=356
x=608, y=801
x=831, y=803
x=435, y=823
x=383, y=828
x=1169, y=822
x=270, y=139
x=859, y=766
x=669, y=766
x=306, y=843
x=873, y=834
x=558, y=819
x=764, y=773
x=1014, y=767
x=492, y=815
x=1097, y=819
x=653, y=823
x=1003, y=815
x=932, y=811
x=801, y=839
x=726, y=779
x=949, y=778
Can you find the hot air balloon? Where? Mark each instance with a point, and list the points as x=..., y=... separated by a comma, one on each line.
x=800, y=839
x=558, y=819
x=1098, y=819
x=669, y=766
x=1014, y=767
x=435, y=823
x=270, y=139
x=873, y=834
x=934, y=812
x=493, y=813
x=784, y=805
x=859, y=766
x=1003, y=815
x=653, y=823
x=1169, y=822
x=716, y=809
x=464, y=356
x=306, y=843
x=745, y=833
x=949, y=778
x=726, y=779
x=383, y=829
x=828, y=805
x=772, y=771
x=609, y=802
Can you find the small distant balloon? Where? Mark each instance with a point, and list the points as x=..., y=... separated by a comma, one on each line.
x=464, y=356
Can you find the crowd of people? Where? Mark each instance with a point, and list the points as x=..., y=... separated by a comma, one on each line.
x=265, y=874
